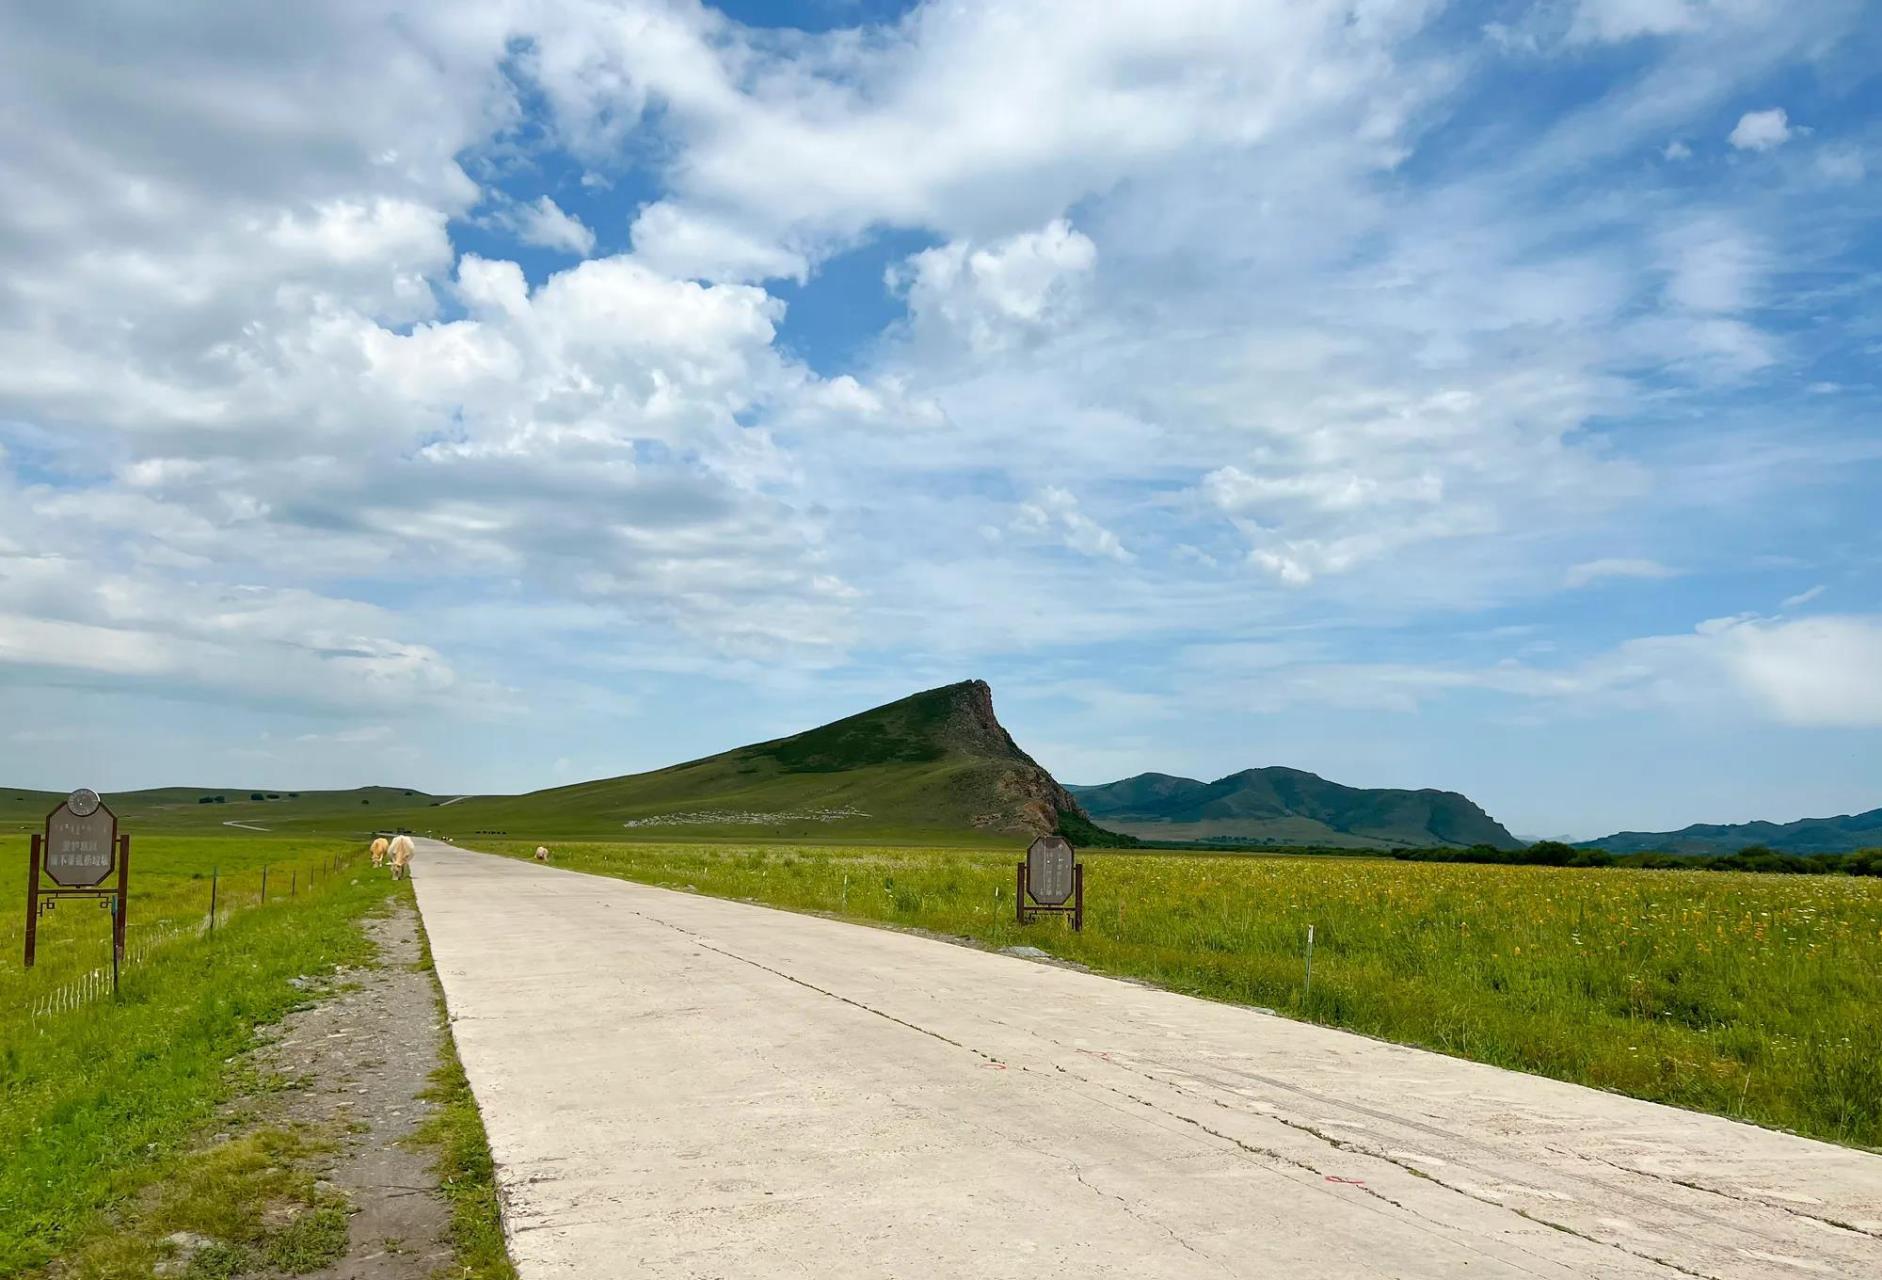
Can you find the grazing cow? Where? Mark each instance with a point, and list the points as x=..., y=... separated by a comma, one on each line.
x=378, y=852
x=401, y=850
x=542, y=854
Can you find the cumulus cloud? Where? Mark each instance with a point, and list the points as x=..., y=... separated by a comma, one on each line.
x=691, y=242
x=1198, y=307
x=997, y=294
x=1814, y=672
x=1761, y=130
x=544, y=223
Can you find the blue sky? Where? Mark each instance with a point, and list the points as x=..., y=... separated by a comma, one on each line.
x=1470, y=396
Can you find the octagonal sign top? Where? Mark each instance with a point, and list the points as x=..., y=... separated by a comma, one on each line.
x=81, y=847
x=1049, y=873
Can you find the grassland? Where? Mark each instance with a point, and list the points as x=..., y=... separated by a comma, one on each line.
x=179, y=811
x=99, y=1101
x=1748, y=996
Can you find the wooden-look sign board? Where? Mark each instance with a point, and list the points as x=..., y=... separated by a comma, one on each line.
x=78, y=851
x=81, y=841
x=1050, y=876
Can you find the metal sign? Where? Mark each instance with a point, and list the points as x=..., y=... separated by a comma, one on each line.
x=1049, y=873
x=1049, y=876
x=79, y=849
x=81, y=842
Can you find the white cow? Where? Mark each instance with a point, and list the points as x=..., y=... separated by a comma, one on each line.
x=378, y=852
x=401, y=850
x=542, y=854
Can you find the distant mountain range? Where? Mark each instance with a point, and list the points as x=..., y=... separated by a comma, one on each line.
x=935, y=766
x=1276, y=805
x=1806, y=835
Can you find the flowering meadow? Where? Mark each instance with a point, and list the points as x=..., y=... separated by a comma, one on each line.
x=1758, y=997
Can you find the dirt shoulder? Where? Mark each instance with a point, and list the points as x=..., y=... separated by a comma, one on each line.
x=351, y=1153
x=362, y=1058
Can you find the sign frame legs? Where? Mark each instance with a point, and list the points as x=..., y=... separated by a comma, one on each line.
x=32, y=900
x=120, y=910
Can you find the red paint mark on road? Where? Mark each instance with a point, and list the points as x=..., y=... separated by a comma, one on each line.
x=1351, y=1182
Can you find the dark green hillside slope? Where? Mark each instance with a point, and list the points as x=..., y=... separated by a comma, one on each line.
x=1843, y=834
x=1288, y=806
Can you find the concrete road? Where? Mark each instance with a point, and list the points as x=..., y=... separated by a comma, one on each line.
x=677, y=1086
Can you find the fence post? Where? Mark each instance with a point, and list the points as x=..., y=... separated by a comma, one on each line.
x=264, y=882
x=120, y=912
x=215, y=873
x=1307, y=990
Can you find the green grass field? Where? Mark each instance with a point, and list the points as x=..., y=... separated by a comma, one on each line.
x=101, y=1100
x=1758, y=997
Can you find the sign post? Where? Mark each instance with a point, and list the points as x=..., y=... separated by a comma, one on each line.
x=1050, y=875
x=32, y=899
x=78, y=851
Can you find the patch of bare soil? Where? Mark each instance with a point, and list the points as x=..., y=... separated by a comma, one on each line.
x=357, y=1061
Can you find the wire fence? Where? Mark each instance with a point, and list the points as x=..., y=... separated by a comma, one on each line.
x=144, y=942
x=95, y=984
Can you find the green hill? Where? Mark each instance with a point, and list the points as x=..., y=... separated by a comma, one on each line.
x=1843, y=834
x=204, y=808
x=937, y=765
x=1288, y=806
x=934, y=767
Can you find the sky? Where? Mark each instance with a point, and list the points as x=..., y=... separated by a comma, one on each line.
x=485, y=396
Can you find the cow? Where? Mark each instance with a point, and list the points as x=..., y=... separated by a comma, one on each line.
x=542, y=854
x=378, y=852
x=401, y=850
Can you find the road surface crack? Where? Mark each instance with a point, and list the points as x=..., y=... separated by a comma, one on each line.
x=822, y=991
x=1339, y=1144
x=1130, y=1212
x=1819, y=1219
x=1336, y=1143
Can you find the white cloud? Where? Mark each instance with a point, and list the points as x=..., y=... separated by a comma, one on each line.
x=1814, y=672
x=274, y=645
x=689, y=242
x=1842, y=164
x=1055, y=514
x=1594, y=571
x=1809, y=673
x=1676, y=150
x=1237, y=492
x=1761, y=130
x=998, y=294
x=360, y=735
x=1802, y=597
x=544, y=223
x=1178, y=269
x=1617, y=20
x=918, y=127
